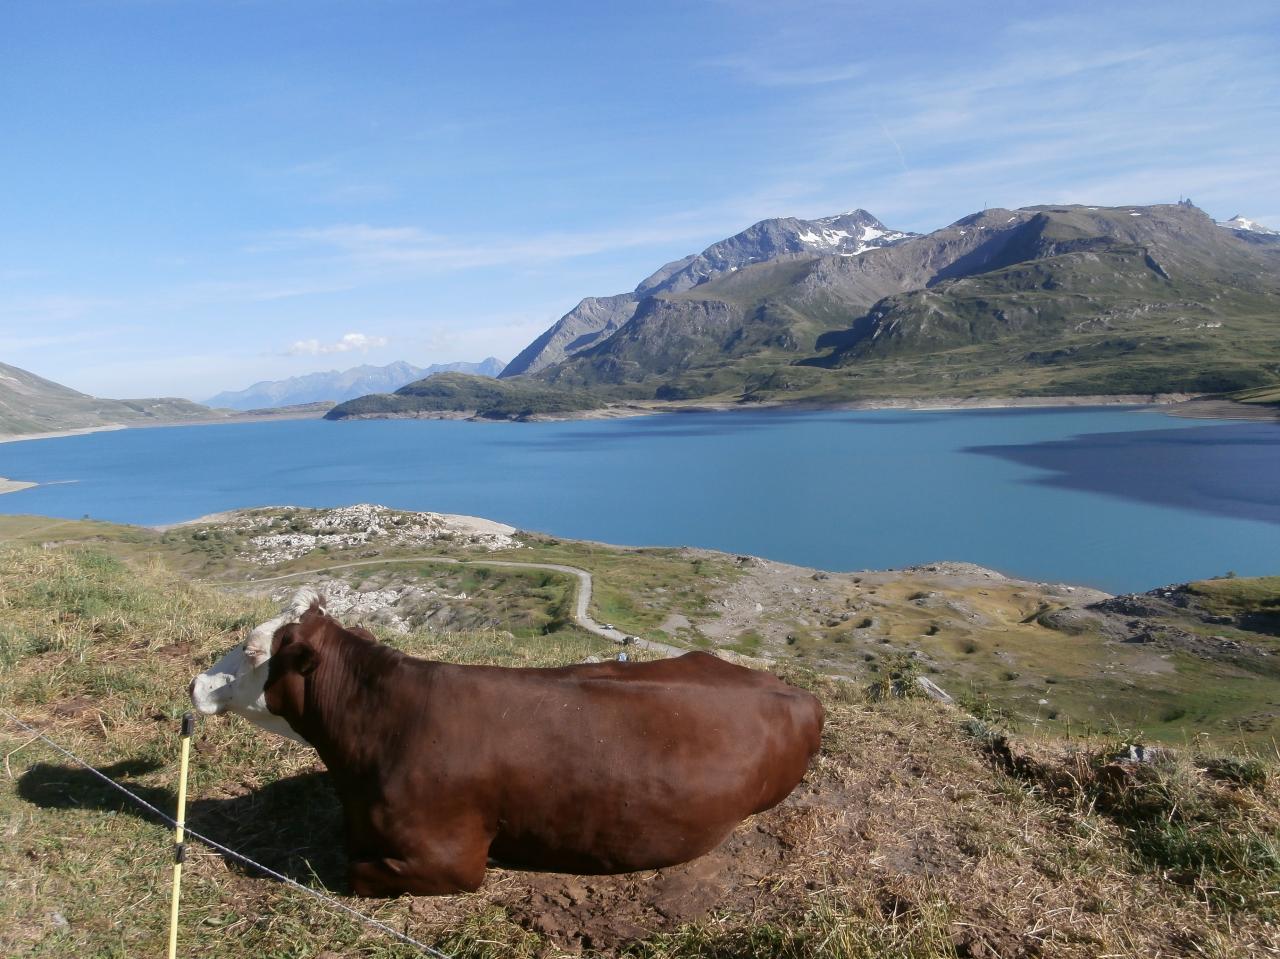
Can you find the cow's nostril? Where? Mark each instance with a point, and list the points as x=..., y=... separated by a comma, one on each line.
x=191, y=689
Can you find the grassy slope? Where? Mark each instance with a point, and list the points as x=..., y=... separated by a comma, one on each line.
x=463, y=391
x=1266, y=396
x=636, y=589
x=985, y=641
x=31, y=404
x=918, y=836
x=989, y=646
x=1079, y=323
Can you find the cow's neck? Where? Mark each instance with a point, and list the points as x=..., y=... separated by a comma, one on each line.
x=349, y=696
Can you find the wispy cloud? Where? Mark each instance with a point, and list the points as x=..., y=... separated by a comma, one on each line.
x=412, y=248
x=759, y=72
x=41, y=309
x=1137, y=116
x=350, y=342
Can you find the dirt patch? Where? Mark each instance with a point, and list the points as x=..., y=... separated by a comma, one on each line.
x=596, y=912
x=601, y=913
x=871, y=820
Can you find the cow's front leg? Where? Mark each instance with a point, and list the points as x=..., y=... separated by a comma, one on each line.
x=378, y=878
x=450, y=859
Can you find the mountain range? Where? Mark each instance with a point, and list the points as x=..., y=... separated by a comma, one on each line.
x=1043, y=300
x=335, y=386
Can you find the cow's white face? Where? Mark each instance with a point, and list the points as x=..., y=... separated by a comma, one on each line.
x=234, y=684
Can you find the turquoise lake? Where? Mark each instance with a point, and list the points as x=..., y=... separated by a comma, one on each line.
x=1125, y=499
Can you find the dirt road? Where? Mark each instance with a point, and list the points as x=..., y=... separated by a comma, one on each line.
x=581, y=616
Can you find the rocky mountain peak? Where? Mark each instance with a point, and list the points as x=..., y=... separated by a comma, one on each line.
x=845, y=234
x=596, y=318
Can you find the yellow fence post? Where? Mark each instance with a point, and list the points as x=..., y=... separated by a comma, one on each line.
x=179, y=848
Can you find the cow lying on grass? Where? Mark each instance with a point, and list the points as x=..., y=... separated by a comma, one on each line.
x=442, y=769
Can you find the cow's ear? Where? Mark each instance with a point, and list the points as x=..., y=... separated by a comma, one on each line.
x=302, y=658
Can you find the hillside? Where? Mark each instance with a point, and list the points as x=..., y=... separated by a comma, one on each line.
x=31, y=404
x=1195, y=660
x=920, y=831
x=335, y=386
x=1094, y=301
x=448, y=392
x=1041, y=301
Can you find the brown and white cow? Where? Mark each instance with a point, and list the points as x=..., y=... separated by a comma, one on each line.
x=600, y=768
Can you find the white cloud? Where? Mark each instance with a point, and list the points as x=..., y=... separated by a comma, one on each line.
x=349, y=343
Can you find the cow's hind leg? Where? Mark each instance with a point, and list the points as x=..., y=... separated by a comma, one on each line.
x=434, y=865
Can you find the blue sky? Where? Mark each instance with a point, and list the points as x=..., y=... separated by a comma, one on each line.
x=199, y=194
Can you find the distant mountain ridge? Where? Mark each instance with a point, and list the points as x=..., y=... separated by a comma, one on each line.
x=335, y=386
x=1039, y=301
x=596, y=318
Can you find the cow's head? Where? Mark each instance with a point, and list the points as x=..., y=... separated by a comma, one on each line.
x=235, y=683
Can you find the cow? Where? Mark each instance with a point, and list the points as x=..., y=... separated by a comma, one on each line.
x=444, y=769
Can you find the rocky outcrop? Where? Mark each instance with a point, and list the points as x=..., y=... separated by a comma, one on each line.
x=592, y=320
x=280, y=535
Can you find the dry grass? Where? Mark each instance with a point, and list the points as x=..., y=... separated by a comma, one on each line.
x=912, y=836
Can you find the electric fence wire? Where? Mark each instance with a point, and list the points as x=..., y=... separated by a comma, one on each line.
x=226, y=851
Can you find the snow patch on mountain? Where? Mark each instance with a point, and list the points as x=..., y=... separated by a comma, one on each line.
x=1243, y=223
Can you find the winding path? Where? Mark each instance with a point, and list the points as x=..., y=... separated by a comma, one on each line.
x=580, y=614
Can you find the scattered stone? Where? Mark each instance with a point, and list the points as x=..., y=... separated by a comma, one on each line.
x=1138, y=753
x=933, y=690
x=351, y=526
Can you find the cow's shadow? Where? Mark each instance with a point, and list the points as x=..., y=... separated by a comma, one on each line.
x=293, y=826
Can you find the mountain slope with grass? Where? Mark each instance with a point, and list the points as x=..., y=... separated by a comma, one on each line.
x=1149, y=300
x=32, y=404
x=449, y=392
x=919, y=831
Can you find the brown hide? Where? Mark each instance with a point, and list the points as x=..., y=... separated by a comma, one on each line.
x=599, y=768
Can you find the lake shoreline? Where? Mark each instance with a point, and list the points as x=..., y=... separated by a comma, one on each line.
x=56, y=434
x=1188, y=405
x=114, y=427
x=929, y=404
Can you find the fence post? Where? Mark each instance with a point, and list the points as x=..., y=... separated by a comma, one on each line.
x=179, y=847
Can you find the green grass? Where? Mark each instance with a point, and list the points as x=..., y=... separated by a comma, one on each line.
x=636, y=589
x=499, y=399
x=905, y=842
x=1265, y=396
x=1203, y=821
x=1238, y=596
